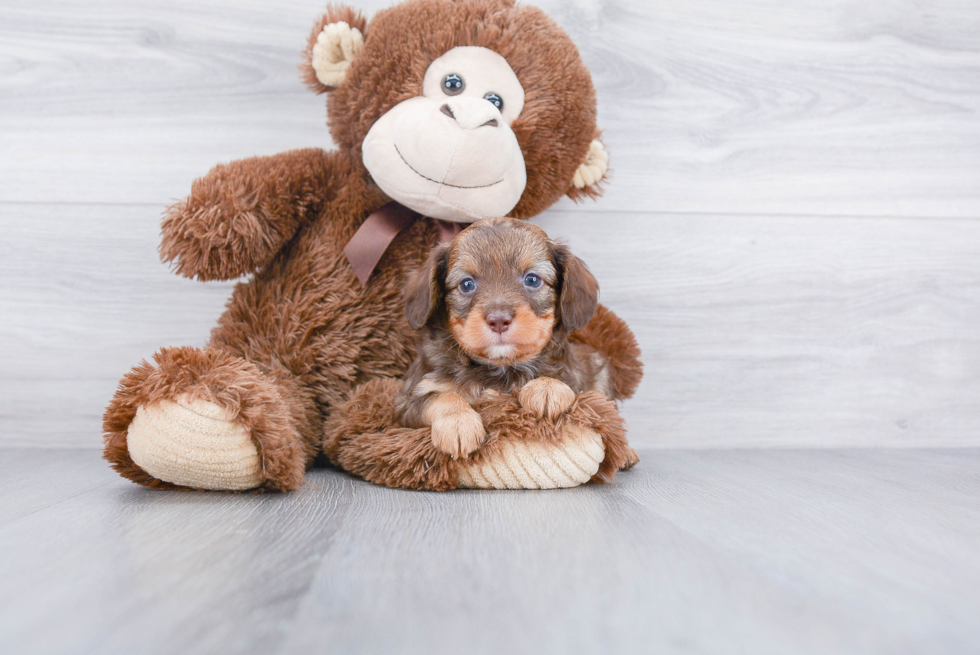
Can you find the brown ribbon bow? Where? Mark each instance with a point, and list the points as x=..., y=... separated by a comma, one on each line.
x=369, y=243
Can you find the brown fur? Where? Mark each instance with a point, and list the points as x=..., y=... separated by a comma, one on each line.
x=455, y=358
x=558, y=121
x=335, y=14
x=456, y=429
x=609, y=335
x=301, y=333
x=497, y=253
x=367, y=441
x=283, y=421
x=546, y=397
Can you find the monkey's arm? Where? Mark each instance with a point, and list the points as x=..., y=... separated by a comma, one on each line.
x=611, y=337
x=239, y=215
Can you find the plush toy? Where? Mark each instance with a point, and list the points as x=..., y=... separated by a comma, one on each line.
x=444, y=112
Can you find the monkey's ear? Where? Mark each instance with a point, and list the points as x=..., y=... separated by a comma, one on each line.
x=591, y=172
x=423, y=291
x=336, y=40
x=578, y=293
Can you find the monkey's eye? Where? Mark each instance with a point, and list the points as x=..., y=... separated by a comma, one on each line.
x=532, y=281
x=467, y=285
x=497, y=101
x=453, y=85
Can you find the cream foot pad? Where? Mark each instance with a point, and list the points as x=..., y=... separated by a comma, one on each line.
x=533, y=465
x=193, y=444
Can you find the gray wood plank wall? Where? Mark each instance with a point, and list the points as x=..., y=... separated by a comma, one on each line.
x=791, y=228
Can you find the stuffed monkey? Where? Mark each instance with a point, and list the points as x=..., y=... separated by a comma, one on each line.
x=443, y=112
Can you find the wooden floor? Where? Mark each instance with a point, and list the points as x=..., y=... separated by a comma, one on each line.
x=792, y=229
x=705, y=551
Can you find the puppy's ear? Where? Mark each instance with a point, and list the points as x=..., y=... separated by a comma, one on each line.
x=578, y=291
x=423, y=291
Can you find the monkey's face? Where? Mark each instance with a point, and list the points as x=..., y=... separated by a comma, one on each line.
x=460, y=109
x=450, y=153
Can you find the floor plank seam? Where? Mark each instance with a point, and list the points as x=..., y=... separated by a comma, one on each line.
x=598, y=208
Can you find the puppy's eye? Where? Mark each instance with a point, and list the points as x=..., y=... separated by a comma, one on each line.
x=467, y=285
x=532, y=281
x=497, y=101
x=453, y=85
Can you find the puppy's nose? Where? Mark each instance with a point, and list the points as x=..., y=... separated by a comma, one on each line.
x=499, y=321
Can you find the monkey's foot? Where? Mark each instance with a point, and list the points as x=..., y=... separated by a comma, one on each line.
x=520, y=464
x=204, y=419
x=194, y=443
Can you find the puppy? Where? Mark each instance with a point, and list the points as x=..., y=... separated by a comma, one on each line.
x=497, y=306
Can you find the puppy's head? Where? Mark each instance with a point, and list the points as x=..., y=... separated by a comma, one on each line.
x=502, y=288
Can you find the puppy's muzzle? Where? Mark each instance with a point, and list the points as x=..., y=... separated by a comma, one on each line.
x=499, y=322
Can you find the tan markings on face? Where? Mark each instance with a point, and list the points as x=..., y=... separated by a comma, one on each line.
x=526, y=337
x=544, y=268
x=469, y=332
x=498, y=253
x=531, y=332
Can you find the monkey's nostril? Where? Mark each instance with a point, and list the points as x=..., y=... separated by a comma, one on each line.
x=499, y=321
x=447, y=110
x=491, y=123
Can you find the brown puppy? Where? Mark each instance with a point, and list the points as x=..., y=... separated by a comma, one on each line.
x=497, y=305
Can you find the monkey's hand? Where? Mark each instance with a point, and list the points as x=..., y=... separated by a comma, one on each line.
x=239, y=215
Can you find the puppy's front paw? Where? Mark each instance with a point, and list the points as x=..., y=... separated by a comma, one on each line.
x=457, y=429
x=546, y=397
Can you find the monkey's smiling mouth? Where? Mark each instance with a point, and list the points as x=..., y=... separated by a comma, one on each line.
x=455, y=186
